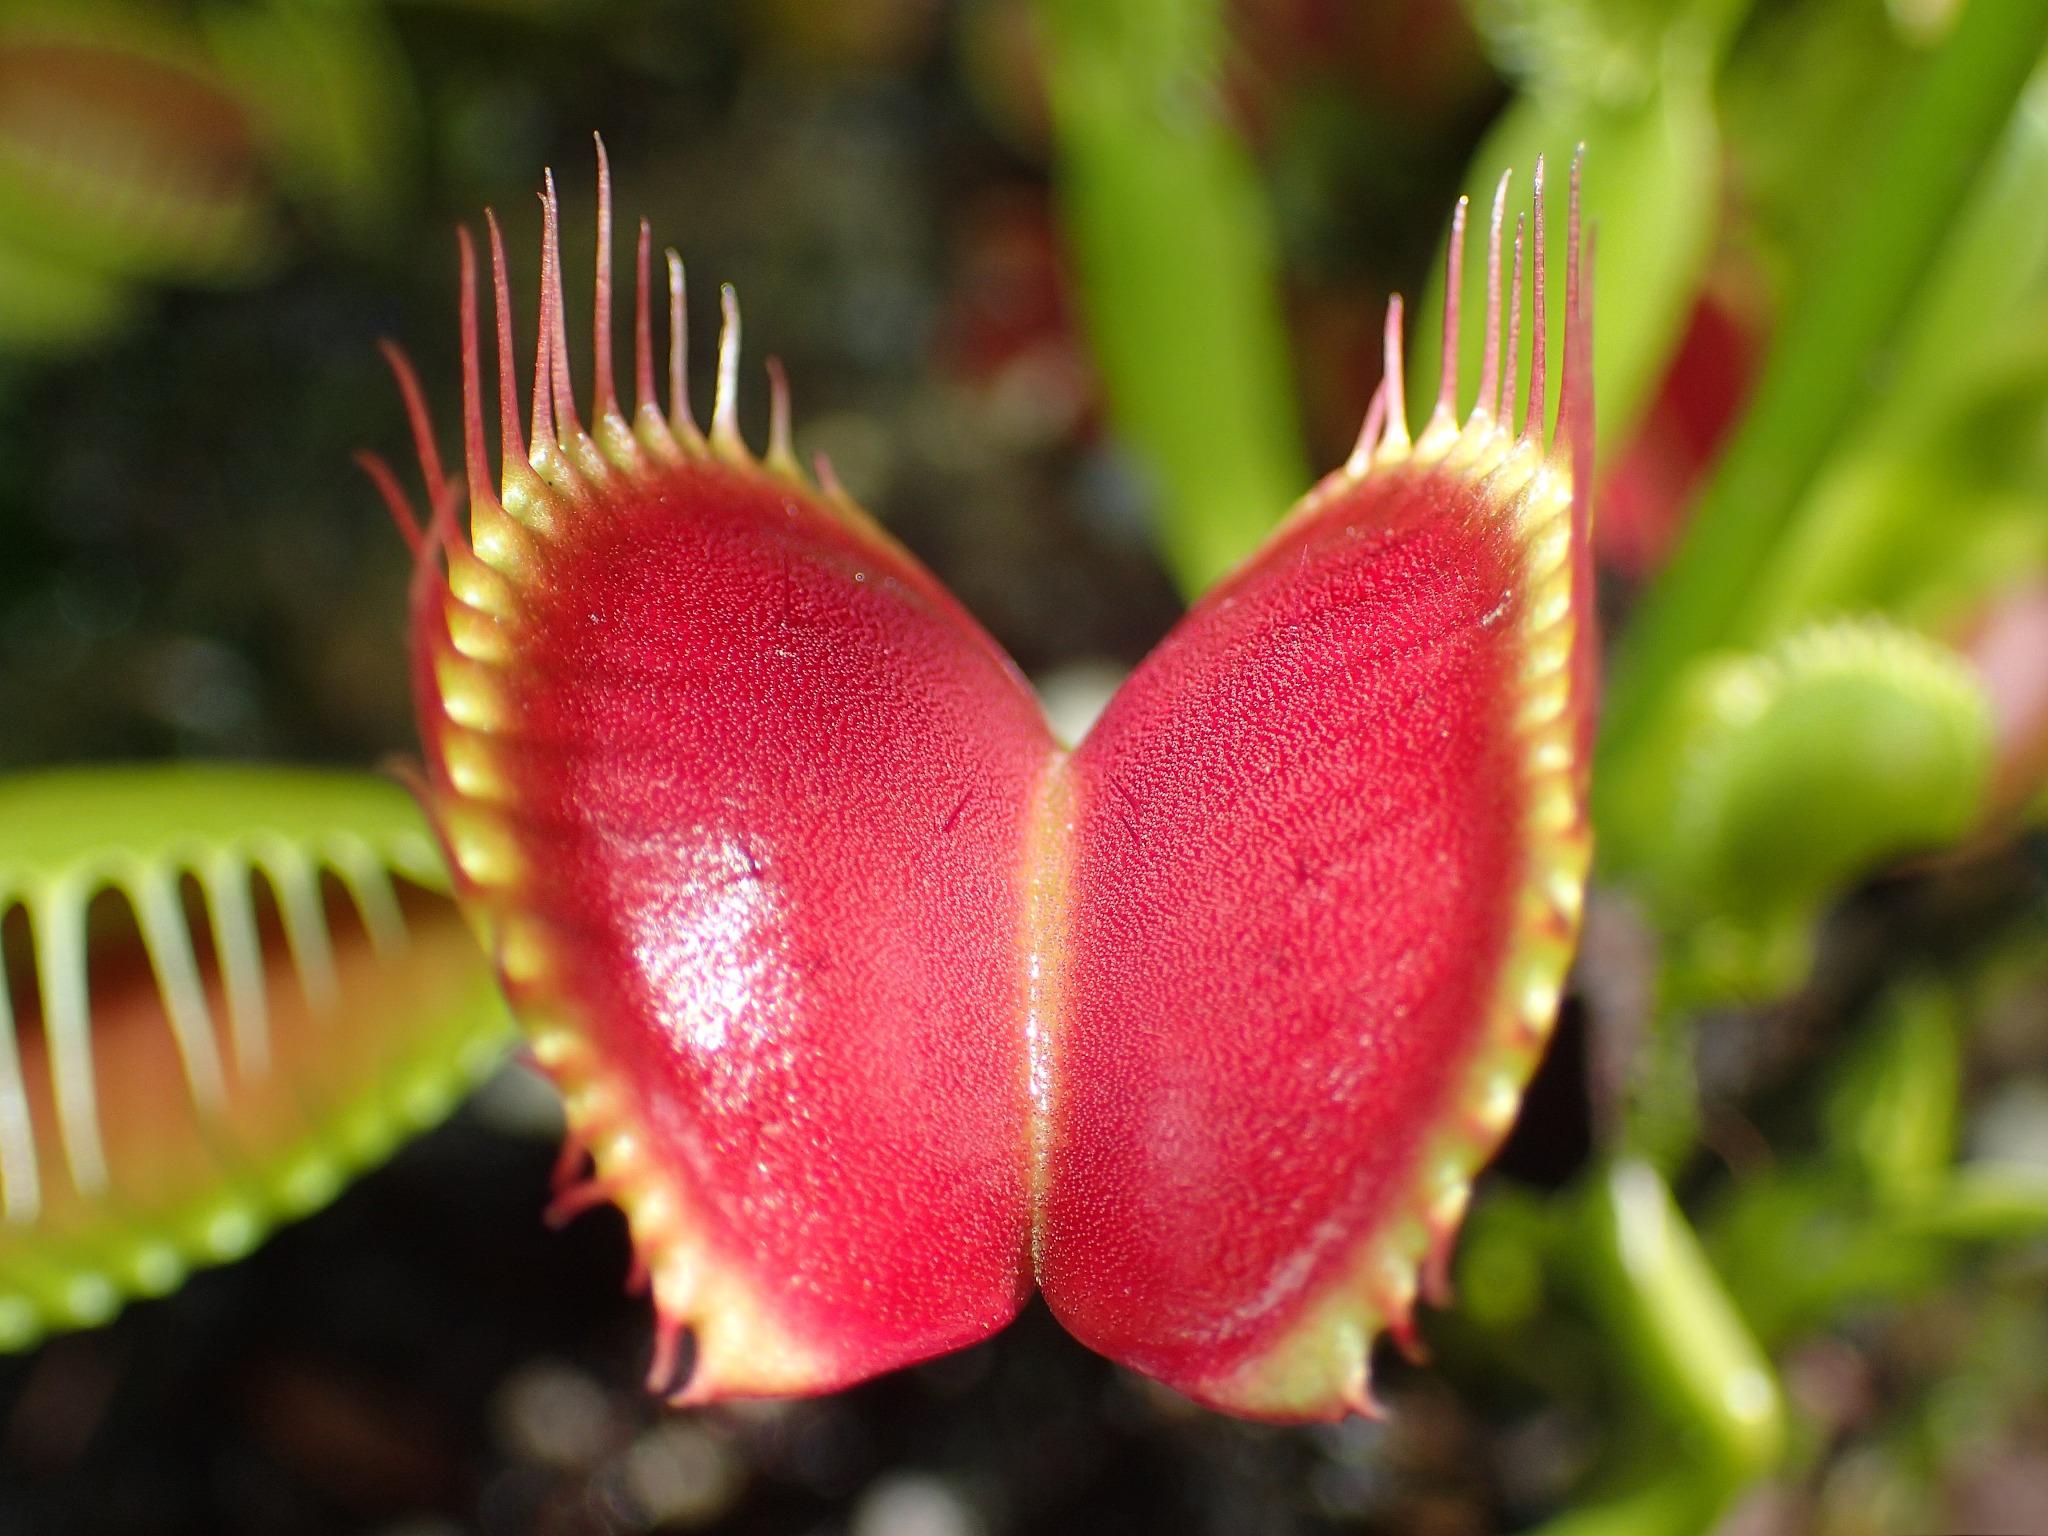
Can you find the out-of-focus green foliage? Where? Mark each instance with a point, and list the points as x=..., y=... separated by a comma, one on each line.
x=1825, y=365
x=1940, y=496
x=1176, y=261
x=1796, y=771
x=147, y=144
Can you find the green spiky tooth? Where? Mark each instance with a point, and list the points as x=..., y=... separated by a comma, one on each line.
x=262, y=1109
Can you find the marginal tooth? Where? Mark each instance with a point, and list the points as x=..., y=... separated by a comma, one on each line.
x=1394, y=444
x=1489, y=369
x=781, y=448
x=614, y=437
x=369, y=885
x=479, y=587
x=1369, y=434
x=725, y=405
x=529, y=505
x=57, y=916
x=526, y=958
x=1436, y=1267
x=1495, y=1093
x=472, y=767
x=682, y=420
x=484, y=850
x=231, y=914
x=514, y=472
x=1566, y=888
x=573, y=1199
x=1393, y=1286
x=20, y=1185
x=469, y=697
x=160, y=913
x=668, y=1349
x=1544, y=702
x=1358, y=1393
x=1442, y=429
x=478, y=636
x=828, y=479
x=295, y=882
x=1511, y=368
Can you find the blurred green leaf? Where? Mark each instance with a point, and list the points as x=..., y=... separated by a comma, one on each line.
x=1827, y=363
x=1173, y=241
x=1798, y=1246
x=1682, y=1501
x=1984, y=1202
x=333, y=94
x=1680, y=1335
x=1798, y=770
x=1891, y=1111
x=48, y=304
x=1942, y=494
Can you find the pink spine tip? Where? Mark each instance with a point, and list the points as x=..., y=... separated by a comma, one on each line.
x=681, y=417
x=1454, y=296
x=512, y=447
x=1392, y=382
x=418, y=417
x=474, y=468
x=395, y=501
x=1511, y=374
x=1489, y=368
x=725, y=399
x=828, y=477
x=643, y=322
x=1369, y=431
x=555, y=319
x=604, y=397
x=781, y=438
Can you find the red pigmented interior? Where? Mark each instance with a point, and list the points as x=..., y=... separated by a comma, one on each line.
x=772, y=782
x=1299, y=835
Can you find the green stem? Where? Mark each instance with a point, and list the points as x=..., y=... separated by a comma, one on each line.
x=1172, y=238
x=1678, y=1332
x=1828, y=363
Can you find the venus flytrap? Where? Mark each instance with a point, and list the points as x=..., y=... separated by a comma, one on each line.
x=234, y=989
x=875, y=1006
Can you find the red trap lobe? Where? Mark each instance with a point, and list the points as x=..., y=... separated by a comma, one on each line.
x=873, y=1006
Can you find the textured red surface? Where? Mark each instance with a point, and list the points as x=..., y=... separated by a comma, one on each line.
x=873, y=1006
x=772, y=781
x=1298, y=839
x=784, y=808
